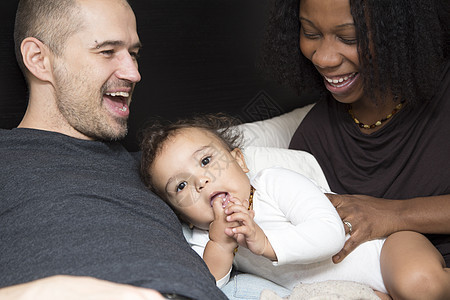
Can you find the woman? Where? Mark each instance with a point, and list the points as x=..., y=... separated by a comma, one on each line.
x=380, y=132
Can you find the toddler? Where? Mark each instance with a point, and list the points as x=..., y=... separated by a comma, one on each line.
x=286, y=228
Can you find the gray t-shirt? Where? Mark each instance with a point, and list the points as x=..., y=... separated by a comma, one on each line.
x=70, y=206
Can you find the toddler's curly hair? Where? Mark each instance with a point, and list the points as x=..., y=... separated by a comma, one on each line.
x=153, y=137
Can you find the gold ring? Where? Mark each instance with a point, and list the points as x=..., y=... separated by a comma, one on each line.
x=349, y=225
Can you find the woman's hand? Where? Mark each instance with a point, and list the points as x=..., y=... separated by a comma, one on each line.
x=248, y=234
x=369, y=218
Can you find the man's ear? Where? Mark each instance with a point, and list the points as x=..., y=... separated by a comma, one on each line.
x=239, y=157
x=36, y=58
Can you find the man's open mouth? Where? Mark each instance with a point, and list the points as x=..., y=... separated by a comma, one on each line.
x=118, y=100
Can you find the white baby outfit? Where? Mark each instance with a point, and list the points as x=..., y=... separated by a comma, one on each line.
x=304, y=230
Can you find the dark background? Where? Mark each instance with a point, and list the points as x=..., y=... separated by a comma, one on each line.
x=199, y=56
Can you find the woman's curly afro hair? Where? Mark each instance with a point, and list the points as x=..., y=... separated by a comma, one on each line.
x=410, y=45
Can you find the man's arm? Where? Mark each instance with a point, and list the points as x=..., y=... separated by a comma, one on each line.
x=74, y=288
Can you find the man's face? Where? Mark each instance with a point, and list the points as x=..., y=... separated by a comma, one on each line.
x=96, y=75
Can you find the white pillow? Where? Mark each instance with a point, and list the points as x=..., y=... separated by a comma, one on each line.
x=258, y=158
x=274, y=132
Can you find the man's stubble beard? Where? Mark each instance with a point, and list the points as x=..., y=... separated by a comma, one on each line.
x=80, y=104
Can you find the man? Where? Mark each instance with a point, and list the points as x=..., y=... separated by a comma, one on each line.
x=75, y=219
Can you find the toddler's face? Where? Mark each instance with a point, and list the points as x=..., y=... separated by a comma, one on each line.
x=194, y=169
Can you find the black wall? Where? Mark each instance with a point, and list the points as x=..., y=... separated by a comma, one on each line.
x=198, y=56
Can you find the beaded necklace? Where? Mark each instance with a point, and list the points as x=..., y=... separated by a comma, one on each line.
x=250, y=203
x=377, y=123
x=250, y=198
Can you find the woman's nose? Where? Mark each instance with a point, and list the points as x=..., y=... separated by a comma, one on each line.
x=326, y=55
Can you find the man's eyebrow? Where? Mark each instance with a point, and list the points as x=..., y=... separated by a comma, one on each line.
x=114, y=43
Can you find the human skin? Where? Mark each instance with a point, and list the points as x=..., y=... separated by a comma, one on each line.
x=68, y=96
x=76, y=287
x=192, y=168
x=207, y=185
x=73, y=93
x=327, y=38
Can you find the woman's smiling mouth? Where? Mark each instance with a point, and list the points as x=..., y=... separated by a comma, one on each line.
x=339, y=81
x=341, y=84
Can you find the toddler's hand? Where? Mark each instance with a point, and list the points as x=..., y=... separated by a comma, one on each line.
x=218, y=226
x=248, y=233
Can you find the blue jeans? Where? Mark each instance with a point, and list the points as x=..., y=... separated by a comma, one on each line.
x=248, y=286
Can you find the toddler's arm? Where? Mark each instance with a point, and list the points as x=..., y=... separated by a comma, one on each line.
x=309, y=228
x=219, y=251
x=248, y=233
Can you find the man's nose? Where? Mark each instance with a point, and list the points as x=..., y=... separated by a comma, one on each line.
x=128, y=69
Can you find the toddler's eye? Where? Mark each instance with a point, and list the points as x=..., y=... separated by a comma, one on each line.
x=206, y=161
x=181, y=186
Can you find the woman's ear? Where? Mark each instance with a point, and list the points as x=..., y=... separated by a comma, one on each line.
x=36, y=58
x=239, y=157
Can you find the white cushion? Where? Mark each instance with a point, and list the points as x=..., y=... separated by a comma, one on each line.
x=258, y=158
x=274, y=132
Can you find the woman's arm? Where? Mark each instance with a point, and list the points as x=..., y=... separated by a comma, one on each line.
x=373, y=218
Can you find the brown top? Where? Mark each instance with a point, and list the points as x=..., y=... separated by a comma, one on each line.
x=408, y=157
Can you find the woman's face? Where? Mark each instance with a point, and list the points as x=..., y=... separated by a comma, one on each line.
x=328, y=40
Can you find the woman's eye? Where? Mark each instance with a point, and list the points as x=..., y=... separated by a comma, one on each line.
x=206, y=161
x=348, y=41
x=309, y=33
x=181, y=186
x=311, y=36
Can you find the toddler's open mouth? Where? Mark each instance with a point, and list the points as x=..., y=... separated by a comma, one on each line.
x=224, y=196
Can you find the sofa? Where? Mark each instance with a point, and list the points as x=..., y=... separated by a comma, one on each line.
x=199, y=56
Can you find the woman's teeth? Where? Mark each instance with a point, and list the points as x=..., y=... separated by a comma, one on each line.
x=334, y=82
